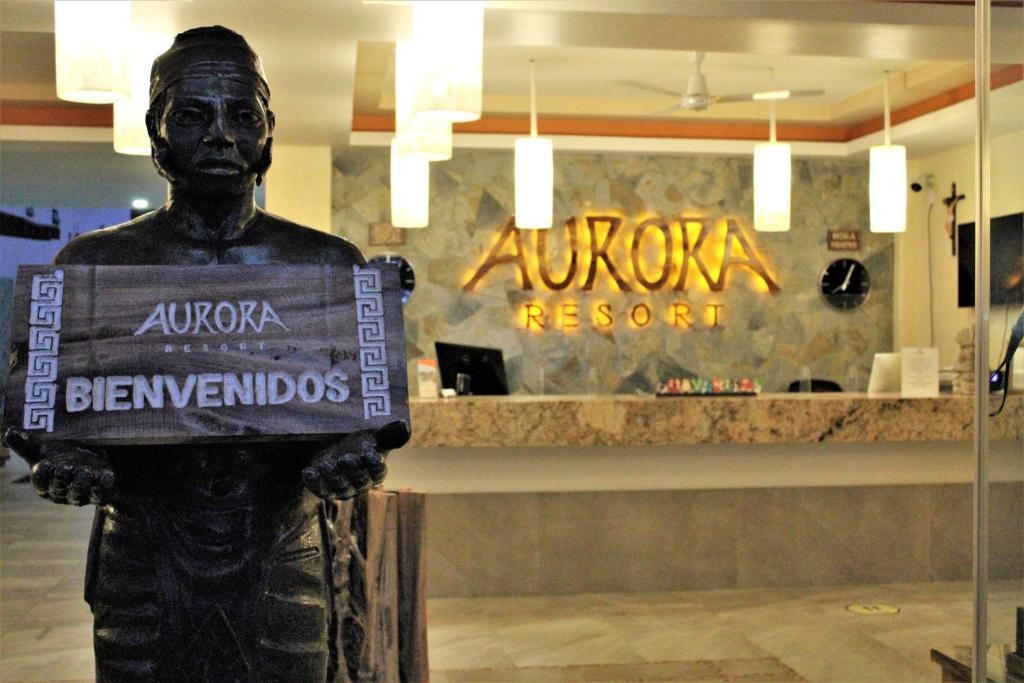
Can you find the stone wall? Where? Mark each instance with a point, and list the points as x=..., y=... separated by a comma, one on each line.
x=756, y=333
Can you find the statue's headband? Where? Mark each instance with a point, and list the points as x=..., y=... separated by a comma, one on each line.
x=208, y=51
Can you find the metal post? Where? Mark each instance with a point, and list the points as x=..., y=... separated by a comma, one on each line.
x=982, y=18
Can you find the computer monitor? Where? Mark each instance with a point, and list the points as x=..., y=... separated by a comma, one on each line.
x=485, y=367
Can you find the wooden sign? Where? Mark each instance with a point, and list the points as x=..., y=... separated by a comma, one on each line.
x=170, y=354
x=844, y=240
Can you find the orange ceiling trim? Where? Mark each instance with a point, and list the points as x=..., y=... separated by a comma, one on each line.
x=53, y=114
x=634, y=128
x=999, y=79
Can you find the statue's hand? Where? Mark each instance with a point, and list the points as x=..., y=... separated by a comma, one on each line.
x=64, y=472
x=346, y=468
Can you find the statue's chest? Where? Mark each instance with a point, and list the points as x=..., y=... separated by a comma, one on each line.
x=186, y=254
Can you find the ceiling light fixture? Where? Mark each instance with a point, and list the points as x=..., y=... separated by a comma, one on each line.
x=772, y=179
x=534, y=172
x=416, y=136
x=450, y=48
x=91, y=40
x=410, y=190
x=887, y=181
x=140, y=203
x=130, y=134
x=771, y=95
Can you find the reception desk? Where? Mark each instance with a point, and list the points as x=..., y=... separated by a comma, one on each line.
x=530, y=421
x=572, y=494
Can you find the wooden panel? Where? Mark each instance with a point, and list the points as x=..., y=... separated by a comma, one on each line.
x=348, y=574
x=412, y=593
x=380, y=663
x=166, y=354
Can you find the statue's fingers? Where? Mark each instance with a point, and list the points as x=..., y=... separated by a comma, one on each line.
x=332, y=473
x=351, y=468
x=42, y=475
x=311, y=478
x=80, y=489
x=375, y=466
x=60, y=482
x=103, y=488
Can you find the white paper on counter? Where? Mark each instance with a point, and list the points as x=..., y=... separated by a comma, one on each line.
x=919, y=372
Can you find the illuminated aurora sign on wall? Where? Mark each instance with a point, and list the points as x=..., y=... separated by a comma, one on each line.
x=602, y=256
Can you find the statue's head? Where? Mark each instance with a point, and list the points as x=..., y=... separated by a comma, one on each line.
x=209, y=117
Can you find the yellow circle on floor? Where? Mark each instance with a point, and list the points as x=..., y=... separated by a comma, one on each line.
x=873, y=608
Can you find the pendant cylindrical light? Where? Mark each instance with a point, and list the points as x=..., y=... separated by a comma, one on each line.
x=450, y=42
x=887, y=181
x=534, y=173
x=410, y=190
x=92, y=45
x=416, y=135
x=772, y=172
x=130, y=134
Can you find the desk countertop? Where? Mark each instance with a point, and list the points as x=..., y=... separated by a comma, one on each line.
x=613, y=420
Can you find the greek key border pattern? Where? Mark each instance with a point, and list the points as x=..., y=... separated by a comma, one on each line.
x=373, y=354
x=43, y=346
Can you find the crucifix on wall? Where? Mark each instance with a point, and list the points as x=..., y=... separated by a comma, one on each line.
x=951, y=201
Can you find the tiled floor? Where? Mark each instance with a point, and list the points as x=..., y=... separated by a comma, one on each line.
x=734, y=635
x=787, y=634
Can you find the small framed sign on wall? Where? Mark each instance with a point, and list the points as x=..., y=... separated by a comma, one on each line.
x=844, y=240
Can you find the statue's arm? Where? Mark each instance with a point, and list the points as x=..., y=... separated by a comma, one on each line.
x=355, y=462
x=62, y=471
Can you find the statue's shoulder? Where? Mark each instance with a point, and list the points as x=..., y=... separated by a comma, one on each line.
x=122, y=244
x=301, y=244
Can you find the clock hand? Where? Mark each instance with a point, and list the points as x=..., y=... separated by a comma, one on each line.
x=846, y=282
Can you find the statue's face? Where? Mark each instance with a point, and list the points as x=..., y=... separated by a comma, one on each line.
x=215, y=131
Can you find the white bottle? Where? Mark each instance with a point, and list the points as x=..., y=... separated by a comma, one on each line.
x=426, y=377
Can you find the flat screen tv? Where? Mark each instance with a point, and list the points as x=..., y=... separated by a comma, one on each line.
x=1007, y=274
x=485, y=367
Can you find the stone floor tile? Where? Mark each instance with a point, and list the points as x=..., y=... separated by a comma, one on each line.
x=564, y=641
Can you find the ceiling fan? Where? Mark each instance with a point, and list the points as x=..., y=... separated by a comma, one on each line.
x=697, y=97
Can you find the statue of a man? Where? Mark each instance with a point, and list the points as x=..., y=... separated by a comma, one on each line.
x=209, y=562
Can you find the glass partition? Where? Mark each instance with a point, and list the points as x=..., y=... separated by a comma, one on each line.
x=1001, y=465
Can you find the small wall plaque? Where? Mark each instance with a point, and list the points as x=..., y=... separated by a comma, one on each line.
x=169, y=354
x=844, y=240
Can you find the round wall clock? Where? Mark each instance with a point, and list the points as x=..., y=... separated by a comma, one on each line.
x=845, y=283
x=406, y=275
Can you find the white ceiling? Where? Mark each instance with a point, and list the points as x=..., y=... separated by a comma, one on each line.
x=328, y=58
x=597, y=82
x=320, y=58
